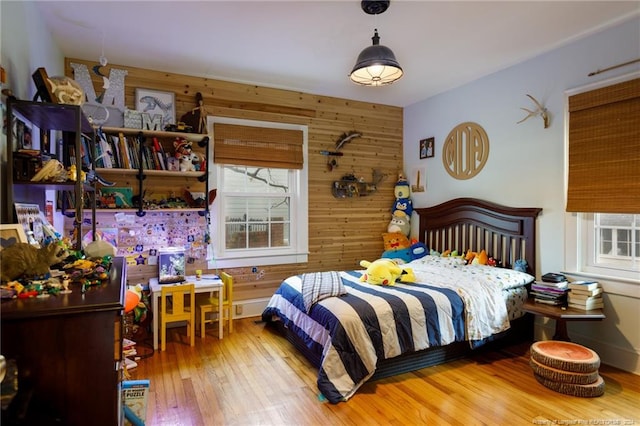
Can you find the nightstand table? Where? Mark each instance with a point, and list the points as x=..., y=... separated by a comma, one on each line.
x=562, y=315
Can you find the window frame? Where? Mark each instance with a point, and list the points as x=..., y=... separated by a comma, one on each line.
x=590, y=249
x=298, y=249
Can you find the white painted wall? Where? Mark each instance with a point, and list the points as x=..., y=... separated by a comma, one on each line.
x=26, y=45
x=526, y=161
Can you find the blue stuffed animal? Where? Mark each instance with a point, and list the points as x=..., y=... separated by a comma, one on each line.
x=403, y=205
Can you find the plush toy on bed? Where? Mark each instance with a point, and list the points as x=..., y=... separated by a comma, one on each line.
x=415, y=251
x=402, y=208
x=385, y=272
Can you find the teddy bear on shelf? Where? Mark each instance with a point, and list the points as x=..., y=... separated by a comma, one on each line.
x=188, y=160
x=402, y=208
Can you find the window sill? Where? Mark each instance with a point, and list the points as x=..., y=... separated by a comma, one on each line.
x=246, y=261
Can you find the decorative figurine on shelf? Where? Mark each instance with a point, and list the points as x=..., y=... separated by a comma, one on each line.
x=197, y=117
x=66, y=90
x=189, y=161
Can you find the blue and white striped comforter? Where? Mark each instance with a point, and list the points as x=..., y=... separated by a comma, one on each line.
x=370, y=323
x=451, y=303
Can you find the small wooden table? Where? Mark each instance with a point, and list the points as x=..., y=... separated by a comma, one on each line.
x=207, y=284
x=561, y=315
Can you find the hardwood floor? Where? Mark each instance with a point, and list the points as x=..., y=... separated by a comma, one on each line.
x=255, y=377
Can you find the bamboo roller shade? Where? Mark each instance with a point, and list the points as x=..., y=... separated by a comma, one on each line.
x=604, y=150
x=257, y=146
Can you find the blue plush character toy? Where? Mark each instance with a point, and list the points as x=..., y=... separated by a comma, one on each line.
x=403, y=202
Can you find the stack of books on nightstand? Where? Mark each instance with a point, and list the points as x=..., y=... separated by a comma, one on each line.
x=585, y=295
x=550, y=291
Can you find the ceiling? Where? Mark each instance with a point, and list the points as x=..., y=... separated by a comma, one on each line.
x=311, y=46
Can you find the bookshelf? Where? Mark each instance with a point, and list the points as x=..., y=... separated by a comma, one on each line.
x=143, y=162
x=46, y=118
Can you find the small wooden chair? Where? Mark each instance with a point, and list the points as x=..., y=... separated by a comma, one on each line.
x=174, y=309
x=211, y=305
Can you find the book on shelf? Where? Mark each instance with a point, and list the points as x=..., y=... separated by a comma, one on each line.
x=135, y=396
x=596, y=304
x=544, y=287
x=160, y=155
x=124, y=151
x=583, y=297
x=559, y=284
x=583, y=285
x=545, y=295
x=113, y=149
x=586, y=293
x=553, y=302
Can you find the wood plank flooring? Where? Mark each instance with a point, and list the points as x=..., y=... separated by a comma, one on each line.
x=255, y=377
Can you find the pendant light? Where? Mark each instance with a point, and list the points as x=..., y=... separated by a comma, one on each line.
x=376, y=65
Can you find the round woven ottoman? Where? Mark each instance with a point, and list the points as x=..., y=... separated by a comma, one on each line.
x=567, y=368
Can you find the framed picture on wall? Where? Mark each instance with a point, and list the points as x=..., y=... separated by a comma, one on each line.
x=427, y=148
x=154, y=102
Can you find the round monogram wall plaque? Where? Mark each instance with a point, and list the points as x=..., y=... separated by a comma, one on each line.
x=465, y=150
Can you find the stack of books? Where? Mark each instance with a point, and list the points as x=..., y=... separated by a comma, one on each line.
x=550, y=292
x=585, y=295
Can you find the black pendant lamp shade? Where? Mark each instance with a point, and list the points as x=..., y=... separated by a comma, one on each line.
x=376, y=65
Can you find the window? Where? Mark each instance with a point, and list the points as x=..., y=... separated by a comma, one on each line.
x=612, y=243
x=603, y=185
x=255, y=207
x=259, y=216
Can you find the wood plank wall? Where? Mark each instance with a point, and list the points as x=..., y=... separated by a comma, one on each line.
x=341, y=231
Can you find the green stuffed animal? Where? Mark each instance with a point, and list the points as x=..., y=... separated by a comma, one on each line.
x=385, y=272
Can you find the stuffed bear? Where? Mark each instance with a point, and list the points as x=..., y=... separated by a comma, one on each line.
x=402, y=208
x=188, y=160
x=385, y=272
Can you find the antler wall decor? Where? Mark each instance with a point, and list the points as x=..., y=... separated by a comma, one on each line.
x=539, y=111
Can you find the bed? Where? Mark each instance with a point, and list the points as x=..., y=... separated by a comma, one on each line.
x=354, y=332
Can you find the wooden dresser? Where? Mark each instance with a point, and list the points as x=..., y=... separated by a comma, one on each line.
x=68, y=350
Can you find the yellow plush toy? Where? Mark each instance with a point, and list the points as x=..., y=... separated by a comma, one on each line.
x=385, y=272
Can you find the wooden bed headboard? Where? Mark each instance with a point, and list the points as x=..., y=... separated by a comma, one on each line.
x=506, y=233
